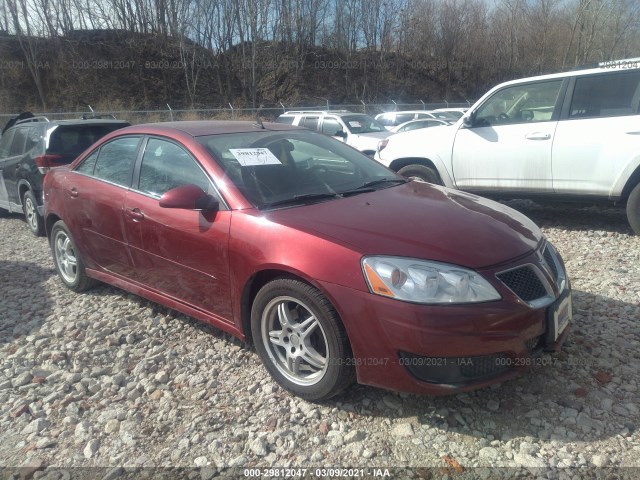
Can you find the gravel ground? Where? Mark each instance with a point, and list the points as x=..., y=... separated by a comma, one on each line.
x=109, y=379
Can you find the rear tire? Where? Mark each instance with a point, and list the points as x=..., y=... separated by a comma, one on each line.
x=633, y=209
x=68, y=263
x=35, y=222
x=421, y=173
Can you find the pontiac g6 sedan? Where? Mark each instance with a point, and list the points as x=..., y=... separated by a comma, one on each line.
x=335, y=268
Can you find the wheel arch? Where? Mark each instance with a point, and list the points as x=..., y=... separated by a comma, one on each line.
x=23, y=187
x=258, y=280
x=399, y=163
x=632, y=181
x=49, y=222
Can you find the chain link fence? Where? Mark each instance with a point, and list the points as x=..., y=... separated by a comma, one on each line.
x=168, y=114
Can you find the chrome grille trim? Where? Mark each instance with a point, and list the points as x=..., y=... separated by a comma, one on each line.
x=535, y=296
x=552, y=259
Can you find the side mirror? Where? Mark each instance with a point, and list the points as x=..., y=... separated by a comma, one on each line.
x=341, y=133
x=467, y=120
x=188, y=197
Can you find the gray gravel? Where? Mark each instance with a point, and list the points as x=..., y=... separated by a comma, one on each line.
x=109, y=379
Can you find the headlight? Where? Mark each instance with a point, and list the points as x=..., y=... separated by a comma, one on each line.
x=424, y=281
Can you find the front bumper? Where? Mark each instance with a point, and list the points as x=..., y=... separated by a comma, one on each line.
x=444, y=349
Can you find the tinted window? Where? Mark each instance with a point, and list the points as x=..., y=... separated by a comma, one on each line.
x=532, y=102
x=310, y=122
x=404, y=117
x=71, y=140
x=606, y=95
x=287, y=120
x=116, y=159
x=5, y=143
x=33, y=138
x=331, y=126
x=19, y=139
x=88, y=164
x=165, y=165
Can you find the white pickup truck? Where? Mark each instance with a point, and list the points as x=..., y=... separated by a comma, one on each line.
x=569, y=136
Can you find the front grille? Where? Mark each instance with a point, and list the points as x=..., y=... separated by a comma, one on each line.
x=454, y=370
x=533, y=344
x=524, y=282
x=483, y=366
x=549, y=257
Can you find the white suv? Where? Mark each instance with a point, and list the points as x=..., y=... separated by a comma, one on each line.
x=572, y=135
x=356, y=129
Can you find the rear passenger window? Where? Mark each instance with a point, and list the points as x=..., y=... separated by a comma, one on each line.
x=404, y=117
x=310, y=122
x=88, y=164
x=5, y=143
x=33, y=138
x=19, y=139
x=115, y=160
x=606, y=95
x=286, y=120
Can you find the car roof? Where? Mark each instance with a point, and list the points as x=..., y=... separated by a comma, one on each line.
x=199, y=128
x=603, y=67
x=323, y=113
x=81, y=122
x=400, y=112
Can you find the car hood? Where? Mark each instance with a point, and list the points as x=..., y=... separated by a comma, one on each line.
x=421, y=221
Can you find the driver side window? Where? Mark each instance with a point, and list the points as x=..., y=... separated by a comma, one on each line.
x=534, y=102
x=165, y=165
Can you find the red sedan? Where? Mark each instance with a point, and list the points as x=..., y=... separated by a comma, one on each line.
x=333, y=266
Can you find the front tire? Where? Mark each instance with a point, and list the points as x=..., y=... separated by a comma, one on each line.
x=633, y=209
x=301, y=340
x=421, y=173
x=67, y=261
x=30, y=209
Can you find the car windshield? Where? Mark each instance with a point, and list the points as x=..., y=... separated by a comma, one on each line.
x=295, y=167
x=362, y=124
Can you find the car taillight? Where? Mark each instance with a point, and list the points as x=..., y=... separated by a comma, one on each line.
x=46, y=162
x=382, y=144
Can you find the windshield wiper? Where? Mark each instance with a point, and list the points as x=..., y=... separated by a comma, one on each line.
x=368, y=186
x=300, y=199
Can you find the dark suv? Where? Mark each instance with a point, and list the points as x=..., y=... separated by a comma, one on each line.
x=30, y=146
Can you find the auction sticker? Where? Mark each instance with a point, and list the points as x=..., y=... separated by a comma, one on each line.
x=249, y=157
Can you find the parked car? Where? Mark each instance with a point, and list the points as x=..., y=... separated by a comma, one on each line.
x=570, y=136
x=393, y=119
x=29, y=147
x=418, y=124
x=332, y=265
x=453, y=113
x=356, y=129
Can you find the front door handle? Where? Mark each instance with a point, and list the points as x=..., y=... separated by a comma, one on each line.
x=135, y=214
x=73, y=192
x=537, y=136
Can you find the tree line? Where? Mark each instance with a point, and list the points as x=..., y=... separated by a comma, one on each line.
x=370, y=47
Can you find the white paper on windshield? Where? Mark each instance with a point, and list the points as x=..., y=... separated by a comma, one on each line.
x=355, y=124
x=249, y=157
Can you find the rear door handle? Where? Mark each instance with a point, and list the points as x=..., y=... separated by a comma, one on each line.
x=537, y=136
x=135, y=213
x=73, y=192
